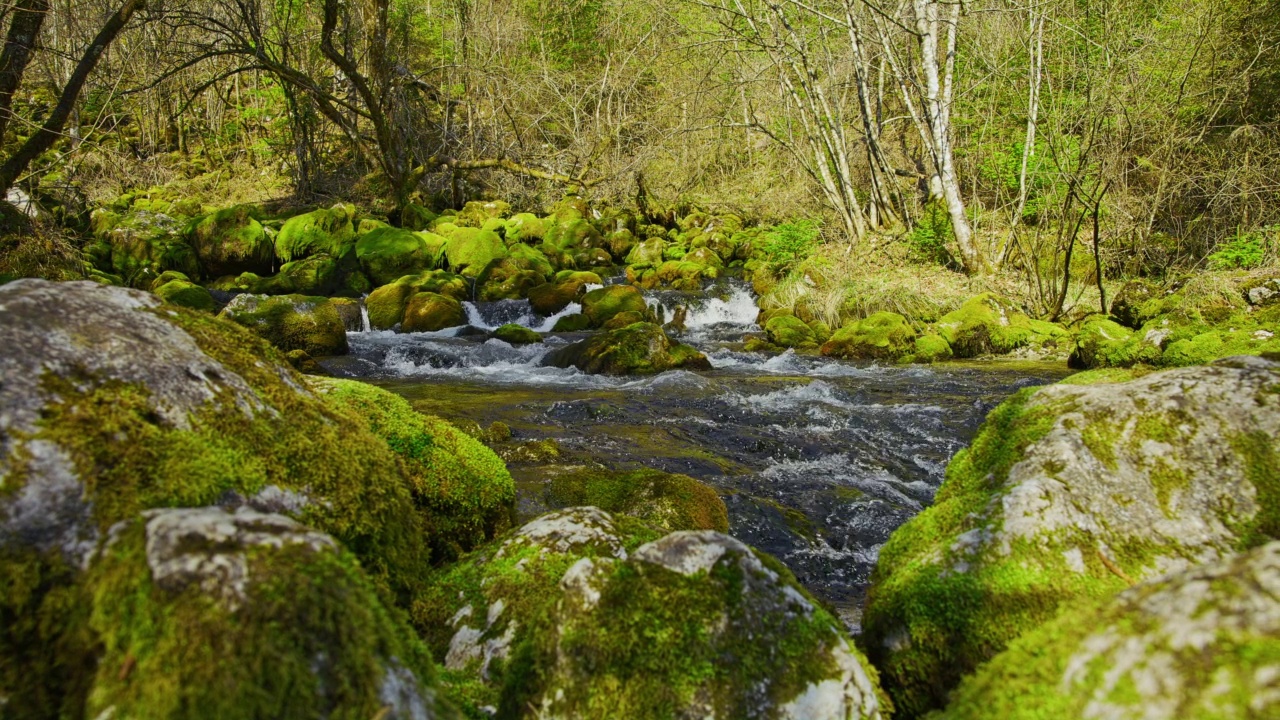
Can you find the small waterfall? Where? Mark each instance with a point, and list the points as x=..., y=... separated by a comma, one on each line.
x=364, y=318
x=492, y=315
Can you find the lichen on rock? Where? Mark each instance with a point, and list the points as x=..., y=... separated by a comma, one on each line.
x=1073, y=492
x=1203, y=643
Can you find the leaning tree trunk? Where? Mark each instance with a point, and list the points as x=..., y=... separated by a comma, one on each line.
x=48, y=134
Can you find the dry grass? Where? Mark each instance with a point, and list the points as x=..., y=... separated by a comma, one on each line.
x=42, y=252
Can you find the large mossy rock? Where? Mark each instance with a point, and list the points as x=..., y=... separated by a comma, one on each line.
x=231, y=241
x=601, y=304
x=387, y=254
x=318, y=274
x=525, y=228
x=582, y=615
x=114, y=403
x=988, y=324
x=567, y=287
x=789, y=331
x=207, y=613
x=665, y=501
x=517, y=334
x=140, y=245
x=463, y=490
x=291, y=322
x=510, y=278
x=330, y=231
x=882, y=336
x=637, y=349
x=188, y=295
x=1204, y=643
x=1136, y=303
x=1103, y=343
x=1067, y=493
x=429, y=312
x=470, y=249
x=386, y=304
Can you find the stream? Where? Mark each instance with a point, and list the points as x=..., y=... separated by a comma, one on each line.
x=818, y=460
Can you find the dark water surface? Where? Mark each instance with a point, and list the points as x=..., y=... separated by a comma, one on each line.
x=818, y=460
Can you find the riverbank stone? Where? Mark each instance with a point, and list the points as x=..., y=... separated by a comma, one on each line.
x=231, y=241
x=586, y=615
x=1069, y=493
x=1197, y=644
x=291, y=322
x=638, y=349
x=601, y=304
x=428, y=312
x=881, y=336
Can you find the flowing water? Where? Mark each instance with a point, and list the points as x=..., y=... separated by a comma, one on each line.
x=818, y=460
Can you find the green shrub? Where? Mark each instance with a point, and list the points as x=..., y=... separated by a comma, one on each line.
x=789, y=243
x=928, y=240
x=1245, y=251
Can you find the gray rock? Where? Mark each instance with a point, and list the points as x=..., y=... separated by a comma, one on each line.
x=77, y=336
x=208, y=545
x=1077, y=492
x=1201, y=643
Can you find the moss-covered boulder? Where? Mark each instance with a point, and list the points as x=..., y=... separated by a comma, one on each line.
x=525, y=228
x=428, y=312
x=231, y=241
x=114, y=403
x=647, y=254
x=389, y=253
x=188, y=295
x=567, y=287
x=577, y=322
x=676, y=274
x=329, y=231
x=641, y=348
x=582, y=615
x=386, y=304
x=1204, y=643
x=1136, y=303
x=291, y=322
x=140, y=245
x=601, y=304
x=318, y=274
x=625, y=318
x=789, y=331
x=469, y=250
x=416, y=217
x=517, y=334
x=1067, y=493
x=351, y=311
x=208, y=613
x=881, y=336
x=573, y=234
x=1101, y=342
x=461, y=489
x=509, y=278
x=665, y=501
x=988, y=324
x=478, y=212
x=931, y=347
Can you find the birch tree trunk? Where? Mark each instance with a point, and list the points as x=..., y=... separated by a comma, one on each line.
x=1035, y=62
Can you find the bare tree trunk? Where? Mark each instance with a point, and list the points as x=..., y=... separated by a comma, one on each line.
x=48, y=134
x=1036, y=60
x=19, y=46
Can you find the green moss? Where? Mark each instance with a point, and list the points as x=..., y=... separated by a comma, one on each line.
x=388, y=253
x=576, y=322
x=926, y=625
x=510, y=278
x=461, y=488
x=318, y=274
x=292, y=322
x=665, y=501
x=882, y=336
x=641, y=348
x=931, y=347
x=310, y=639
x=469, y=250
x=789, y=331
x=1262, y=466
x=517, y=334
x=572, y=234
x=525, y=228
x=231, y=241
x=329, y=231
x=416, y=217
x=601, y=304
x=386, y=305
x=428, y=312
x=188, y=295
x=647, y=254
x=1067, y=667
x=988, y=324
